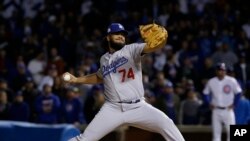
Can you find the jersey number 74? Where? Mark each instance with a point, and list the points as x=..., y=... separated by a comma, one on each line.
x=126, y=74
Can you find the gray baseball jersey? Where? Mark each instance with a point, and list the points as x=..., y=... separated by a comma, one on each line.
x=121, y=73
x=122, y=79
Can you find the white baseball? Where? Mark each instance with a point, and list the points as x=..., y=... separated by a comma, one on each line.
x=66, y=77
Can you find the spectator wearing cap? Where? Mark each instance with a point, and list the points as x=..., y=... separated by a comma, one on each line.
x=168, y=101
x=47, y=106
x=19, y=109
x=72, y=110
x=4, y=105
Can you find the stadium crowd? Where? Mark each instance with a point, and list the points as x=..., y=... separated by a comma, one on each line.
x=41, y=39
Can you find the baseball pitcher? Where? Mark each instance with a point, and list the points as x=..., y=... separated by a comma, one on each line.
x=121, y=74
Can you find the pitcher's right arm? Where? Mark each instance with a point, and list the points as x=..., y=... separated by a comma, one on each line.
x=87, y=79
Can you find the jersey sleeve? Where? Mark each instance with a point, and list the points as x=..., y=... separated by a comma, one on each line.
x=236, y=88
x=206, y=90
x=136, y=50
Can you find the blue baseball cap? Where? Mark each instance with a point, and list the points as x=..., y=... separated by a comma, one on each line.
x=116, y=27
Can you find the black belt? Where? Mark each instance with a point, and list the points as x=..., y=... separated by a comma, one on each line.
x=222, y=108
x=130, y=102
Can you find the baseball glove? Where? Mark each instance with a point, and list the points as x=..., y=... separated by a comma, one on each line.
x=153, y=34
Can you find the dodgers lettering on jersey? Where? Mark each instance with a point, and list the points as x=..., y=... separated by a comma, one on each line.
x=113, y=66
x=121, y=73
x=222, y=91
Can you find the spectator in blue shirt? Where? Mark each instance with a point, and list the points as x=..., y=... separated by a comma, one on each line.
x=242, y=111
x=47, y=106
x=19, y=110
x=72, y=110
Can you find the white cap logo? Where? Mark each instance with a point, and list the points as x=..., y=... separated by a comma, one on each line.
x=120, y=26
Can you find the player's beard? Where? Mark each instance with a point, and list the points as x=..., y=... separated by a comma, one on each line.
x=116, y=46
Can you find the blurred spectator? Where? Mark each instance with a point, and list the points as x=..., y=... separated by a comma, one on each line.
x=182, y=52
x=159, y=83
x=57, y=60
x=37, y=67
x=159, y=60
x=242, y=111
x=163, y=16
x=187, y=70
x=49, y=77
x=196, y=55
x=180, y=91
x=242, y=70
x=86, y=6
x=205, y=42
x=19, y=109
x=59, y=88
x=3, y=64
x=30, y=46
x=31, y=7
x=4, y=106
x=88, y=65
x=150, y=97
x=47, y=106
x=246, y=28
x=168, y=101
x=171, y=67
x=146, y=82
x=29, y=93
x=224, y=54
x=189, y=109
x=20, y=78
x=247, y=90
x=147, y=63
x=10, y=6
x=94, y=101
x=4, y=86
x=83, y=89
x=190, y=85
x=72, y=110
x=208, y=67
